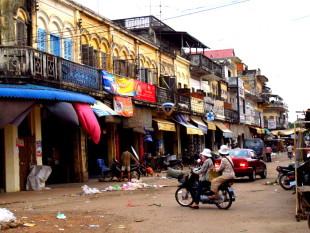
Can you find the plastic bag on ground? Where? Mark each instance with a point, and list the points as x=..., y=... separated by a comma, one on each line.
x=6, y=215
x=89, y=190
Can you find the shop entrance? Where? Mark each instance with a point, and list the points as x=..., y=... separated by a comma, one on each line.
x=98, y=151
x=58, y=143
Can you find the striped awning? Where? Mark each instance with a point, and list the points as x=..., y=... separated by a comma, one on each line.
x=31, y=92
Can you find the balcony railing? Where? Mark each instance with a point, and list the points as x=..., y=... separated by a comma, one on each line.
x=204, y=65
x=164, y=95
x=231, y=115
x=31, y=65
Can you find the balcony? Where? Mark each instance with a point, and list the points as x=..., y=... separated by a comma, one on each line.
x=164, y=95
x=28, y=65
x=203, y=66
x=231, y=115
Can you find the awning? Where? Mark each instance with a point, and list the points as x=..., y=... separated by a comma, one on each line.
x=29, y=91
x=165, y=125
x=226, y=132
x=211, y=125
x=88, y=121
x=103, y=110
x=190, y=129
x=267, y=131
x=258, y=130
x=201, y=125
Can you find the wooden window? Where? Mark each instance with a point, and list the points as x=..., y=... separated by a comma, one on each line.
x=68, y=49
x=55, y=44
x=41, y=39
x=21, y=33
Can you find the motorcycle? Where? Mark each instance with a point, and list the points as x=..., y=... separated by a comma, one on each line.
x=288, y=180
x=115, y=171
x=164, y=164
x=285, y=176
x=186, y=192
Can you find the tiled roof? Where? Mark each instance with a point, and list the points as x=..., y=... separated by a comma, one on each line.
x=223, y=53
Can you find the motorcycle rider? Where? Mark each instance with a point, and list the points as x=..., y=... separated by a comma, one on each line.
x=204, y=172
x=227, y=169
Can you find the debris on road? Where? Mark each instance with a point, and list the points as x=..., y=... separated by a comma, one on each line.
x=61, y=216
x=88, y=190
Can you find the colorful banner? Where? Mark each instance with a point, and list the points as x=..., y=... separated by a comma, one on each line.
x=145, y=91
x=119, y=86
x=123, y=106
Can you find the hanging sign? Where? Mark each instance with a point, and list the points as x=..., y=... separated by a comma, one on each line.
x=118, y=85
x=123, y=106
x=39, y=148
x=168, y=108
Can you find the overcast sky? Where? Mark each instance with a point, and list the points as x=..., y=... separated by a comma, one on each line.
x=273, y=35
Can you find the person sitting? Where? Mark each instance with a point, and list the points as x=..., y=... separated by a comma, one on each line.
x=227, y=169
x=204, y=172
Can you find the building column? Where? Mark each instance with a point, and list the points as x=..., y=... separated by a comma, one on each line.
x=11, y=154
x=36, y=130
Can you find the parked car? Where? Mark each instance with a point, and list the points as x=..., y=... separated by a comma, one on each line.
x=246, y=163
x=255, y=144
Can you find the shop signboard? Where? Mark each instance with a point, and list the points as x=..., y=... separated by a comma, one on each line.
x=118, y=85
x=145, y=91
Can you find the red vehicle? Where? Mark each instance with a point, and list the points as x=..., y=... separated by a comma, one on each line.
x=246, y=163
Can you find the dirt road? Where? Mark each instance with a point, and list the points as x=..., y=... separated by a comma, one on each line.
x=258, y=208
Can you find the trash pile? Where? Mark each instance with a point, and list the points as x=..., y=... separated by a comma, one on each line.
x=8, y=220
x=135, y=184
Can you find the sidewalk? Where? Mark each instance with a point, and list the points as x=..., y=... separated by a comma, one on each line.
x=70, y=189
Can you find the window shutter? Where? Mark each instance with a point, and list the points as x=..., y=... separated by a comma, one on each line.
x=103, y=61
x=21, y=33
x=85, y=54
x=41, y=39
x=55, y=44
x=96, y=63
x=68, y=49
x=91, y=56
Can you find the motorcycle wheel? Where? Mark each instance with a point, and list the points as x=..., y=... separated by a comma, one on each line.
x=284, y=182
x=108, y=176
x=228, y=199
x=184, y=197
x=178, y=166
x=135, y=175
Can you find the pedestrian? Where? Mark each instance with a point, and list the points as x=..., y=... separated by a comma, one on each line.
x=268, y=151
x=204, y=172
x=227, y=169
x=290, y=151
x=126, y=161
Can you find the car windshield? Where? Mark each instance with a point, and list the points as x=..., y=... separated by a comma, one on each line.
x=252, y=143
x=239, y=154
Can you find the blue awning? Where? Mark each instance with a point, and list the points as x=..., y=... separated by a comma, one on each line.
x=29, y=91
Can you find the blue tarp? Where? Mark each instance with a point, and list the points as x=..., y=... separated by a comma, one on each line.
x=40, y=92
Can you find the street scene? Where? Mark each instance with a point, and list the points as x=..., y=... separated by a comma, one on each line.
x=260, y=206
x=143, y=116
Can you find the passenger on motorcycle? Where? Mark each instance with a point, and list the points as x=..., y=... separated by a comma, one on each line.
x=204, y=172
x=227, y=169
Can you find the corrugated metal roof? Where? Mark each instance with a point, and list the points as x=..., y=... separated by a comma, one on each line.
x=44, y=93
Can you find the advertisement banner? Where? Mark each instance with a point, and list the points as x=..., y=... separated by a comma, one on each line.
x=123, y=106
x=145, y=91
x=116, y=85
x=272, y=124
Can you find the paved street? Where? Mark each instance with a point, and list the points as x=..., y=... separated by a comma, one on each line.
x=258, y=208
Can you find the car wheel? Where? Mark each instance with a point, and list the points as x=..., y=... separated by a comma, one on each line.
x=252, y=176
x=263, y=175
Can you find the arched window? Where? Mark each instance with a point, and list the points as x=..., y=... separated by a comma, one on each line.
x=21, y=32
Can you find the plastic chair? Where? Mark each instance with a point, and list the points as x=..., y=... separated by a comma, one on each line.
x=102, y=166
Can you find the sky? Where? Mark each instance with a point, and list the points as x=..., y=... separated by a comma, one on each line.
x=272, y=35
